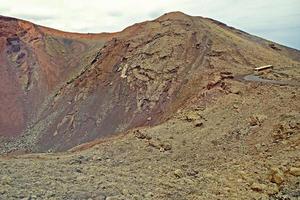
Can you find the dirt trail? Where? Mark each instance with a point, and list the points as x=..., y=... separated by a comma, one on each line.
x=257, y=78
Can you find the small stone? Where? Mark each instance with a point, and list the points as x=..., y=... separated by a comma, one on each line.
x=235, y=106
x=208, y=175
x=55, y=133
x=277, y=178
x=253, y=121
x=198, y=123
x=6, y=180
x=235, y=90
x=78, y=160
x=2, y=191
x=261, y=118
x=257, y=120
x=240, y=180
x=96, y=158
x=113, y=198
x=125, y=192
x=149, y=194
x=50, y=194
x=258, y=187
x=178, y=173
x=295, y=171
x=188, y=181
x=148, y=137
x=100, y=197
x=152, y=144
x=258, y=146
x=80, y=178
x=200, y=108
x=293, y=124
x=192, y=172
x=166, y=146
x=138, y=134
x=227, y=189
x=272, y=189
x=149, y=118
x=192, y=116
x=277, y=175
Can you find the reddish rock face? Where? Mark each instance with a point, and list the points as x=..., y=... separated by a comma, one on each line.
x=61, y=89
x=12, y=115
x=34, y=61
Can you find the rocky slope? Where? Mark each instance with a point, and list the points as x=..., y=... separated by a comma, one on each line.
x=162, y=105
x=34, y=62
x=220, y=149
x=62, y=89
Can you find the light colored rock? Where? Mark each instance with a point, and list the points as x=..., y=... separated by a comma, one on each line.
x=6, y=180
x=295, y=171
x=258, y=187
x=192, y=116
x=166, y=146
x=272, y=189
x=80, y=178
x=257, y=120
x=198, y=123
x=125, y=192
x=276, y=176
x=235, y=90
x=124, y=71
x=178, y=173
x=149, y=195
x=2, y=191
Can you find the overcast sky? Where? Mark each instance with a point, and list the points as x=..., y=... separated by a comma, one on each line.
x=277, y=20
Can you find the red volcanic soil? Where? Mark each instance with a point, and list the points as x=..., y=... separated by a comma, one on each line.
x=60, y=89
x=34, y=61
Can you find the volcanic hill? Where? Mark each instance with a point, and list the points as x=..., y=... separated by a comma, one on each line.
x=163, y=97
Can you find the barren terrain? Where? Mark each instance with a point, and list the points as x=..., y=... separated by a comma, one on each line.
x=165, y=109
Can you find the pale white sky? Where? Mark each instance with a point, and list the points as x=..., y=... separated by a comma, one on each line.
x=277, y=20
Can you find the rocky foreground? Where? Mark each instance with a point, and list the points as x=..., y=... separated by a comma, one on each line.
x=241, y=141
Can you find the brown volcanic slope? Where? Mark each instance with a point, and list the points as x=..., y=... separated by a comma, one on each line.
x=208, y=133
x=61, y=89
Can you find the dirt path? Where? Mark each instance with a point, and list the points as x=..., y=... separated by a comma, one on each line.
x=257, y=78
